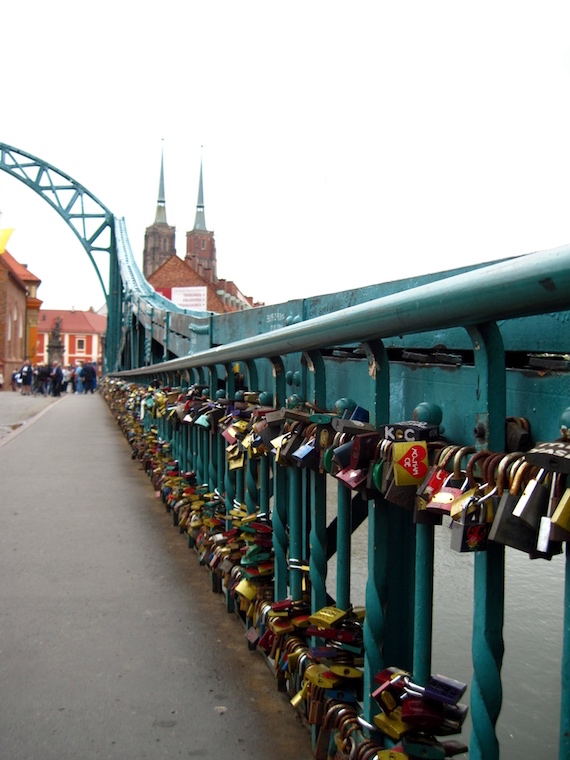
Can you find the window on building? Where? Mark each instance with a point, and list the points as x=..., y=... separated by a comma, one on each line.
x=203, y=245
x=80, y=345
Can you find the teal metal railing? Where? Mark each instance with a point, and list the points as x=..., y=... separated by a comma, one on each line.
x=348, y=352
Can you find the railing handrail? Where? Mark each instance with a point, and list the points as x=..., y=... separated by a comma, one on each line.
x=531, y=284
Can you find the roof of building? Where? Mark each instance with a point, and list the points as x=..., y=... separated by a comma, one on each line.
x=20, y=271
x=176, y=273
x=74, y=322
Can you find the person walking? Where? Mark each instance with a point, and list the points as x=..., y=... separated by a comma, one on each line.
x=43, y=380
x=78, y=378
x=27, y=374
x=88, y=377
x=56, y=375
x=66, y=379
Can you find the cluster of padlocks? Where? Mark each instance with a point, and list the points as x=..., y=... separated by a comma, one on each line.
x=516, y=498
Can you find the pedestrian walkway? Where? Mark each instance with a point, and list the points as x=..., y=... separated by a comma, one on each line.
x=16, y=410
x=112, y=644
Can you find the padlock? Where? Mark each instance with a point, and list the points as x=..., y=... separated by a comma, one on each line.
x=411, y=430
x=403, y=496
x=307, y=455
x=346, y=671
x=327, y=617
x=334, y=634
x=561, y=517
x=421, y=746
x=432, y=483
x=300, y=697
x=422, y=714
x=363, y=449
x=410, y=463
x=509, y=530
x=439, y=688
x=341, y=454
x=392, y=754
x=296, y=436
x=351, y=426
x=455, y=485
x=469, y=533
x=554, y=456
x=320, y=675
x=454, y=747
x=545, y=543
x=392, y=725
x=441, y=501
x=391, y=689
x=341, y=695
x=444, y=689
x=315, y=705
x=453, y=719
x=534, y=500
x=517, y=434
x=352, y=478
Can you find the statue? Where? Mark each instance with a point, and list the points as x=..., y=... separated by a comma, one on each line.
x=55, y=336
x=55, y=345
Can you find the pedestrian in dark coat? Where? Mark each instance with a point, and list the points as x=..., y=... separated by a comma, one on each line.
x=88, y=377
x=56, y=376
x=27, y=374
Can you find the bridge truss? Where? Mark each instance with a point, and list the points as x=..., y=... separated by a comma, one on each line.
x=98, y=230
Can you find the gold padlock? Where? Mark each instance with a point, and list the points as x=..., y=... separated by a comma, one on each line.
x=300, y=696
x=320, y=675
x=561, y=516
x=327, y=617
x=345, y=671
x=392, y=725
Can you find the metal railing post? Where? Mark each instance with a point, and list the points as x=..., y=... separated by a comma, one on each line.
x=489, y=573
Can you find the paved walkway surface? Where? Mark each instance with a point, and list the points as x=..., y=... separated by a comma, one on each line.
x=17, y=410
x=112, y=644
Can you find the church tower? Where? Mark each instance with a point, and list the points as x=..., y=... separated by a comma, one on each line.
x=159, y=238
x=200, y=244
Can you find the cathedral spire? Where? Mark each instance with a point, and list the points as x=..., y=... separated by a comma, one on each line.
x=161, y=203
x=159, y=238
x=200, y=221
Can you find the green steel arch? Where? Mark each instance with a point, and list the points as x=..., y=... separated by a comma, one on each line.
x=90, y=220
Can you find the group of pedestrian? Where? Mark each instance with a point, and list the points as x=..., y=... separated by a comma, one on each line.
x=53, y=379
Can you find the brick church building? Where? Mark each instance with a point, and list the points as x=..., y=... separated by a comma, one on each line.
x=193, y=281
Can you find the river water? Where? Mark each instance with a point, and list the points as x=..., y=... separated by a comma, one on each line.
x=529, y=723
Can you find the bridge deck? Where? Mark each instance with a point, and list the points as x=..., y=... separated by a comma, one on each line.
x=106, y=617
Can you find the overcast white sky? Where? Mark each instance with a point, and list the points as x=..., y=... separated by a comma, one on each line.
x=345, y=144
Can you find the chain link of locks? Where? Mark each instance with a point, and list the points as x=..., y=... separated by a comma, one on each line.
x=518, y=498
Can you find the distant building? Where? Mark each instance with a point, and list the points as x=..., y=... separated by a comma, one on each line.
x=191, y=282
x=19, y=306
x=82, y=334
